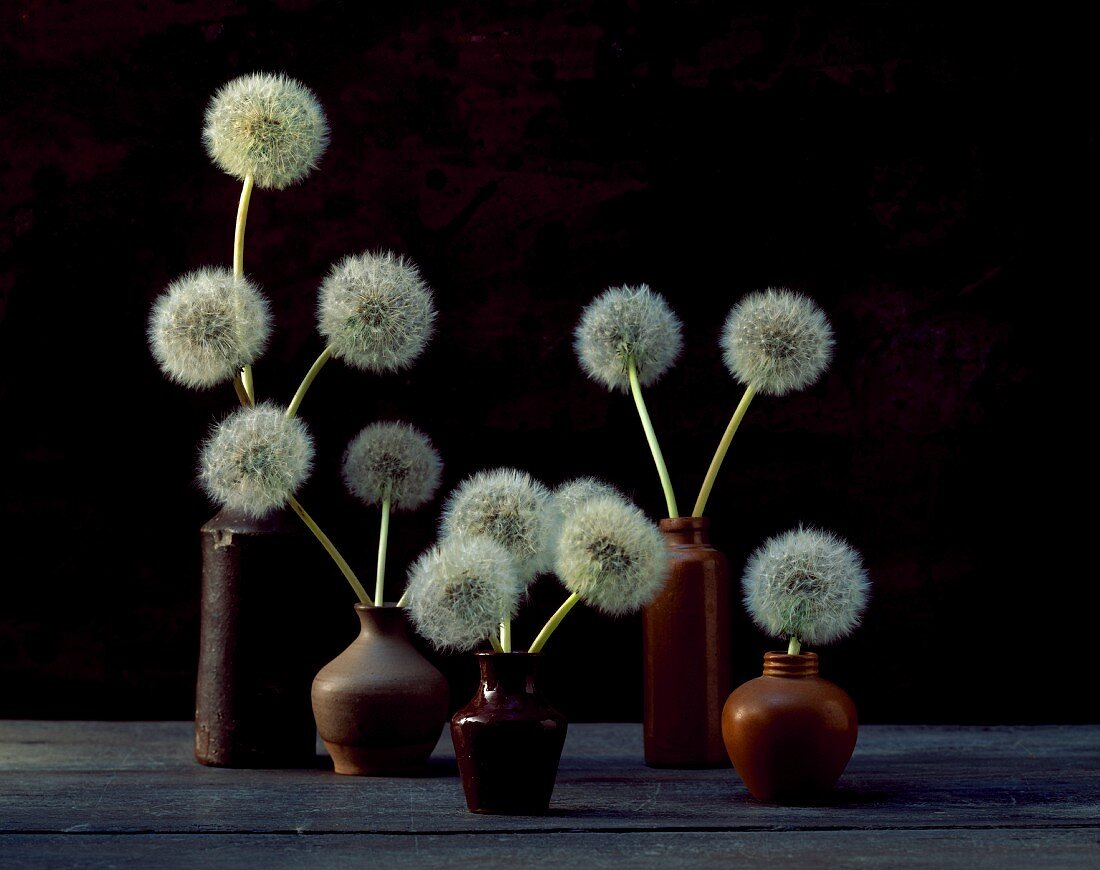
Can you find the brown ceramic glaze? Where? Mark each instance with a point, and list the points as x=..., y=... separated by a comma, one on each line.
x=380, y=705
x=508, y=739
x=789, y=733
x=687, y=652
x=252, y=693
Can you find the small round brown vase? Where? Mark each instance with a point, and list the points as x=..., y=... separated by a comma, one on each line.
x=687, y=652
x=789, y=733
x=380, y=705
x=508, y=739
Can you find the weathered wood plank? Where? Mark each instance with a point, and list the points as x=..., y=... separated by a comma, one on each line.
x=994, y=849
x=139, y=777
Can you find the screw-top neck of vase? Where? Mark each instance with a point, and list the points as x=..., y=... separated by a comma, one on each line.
x=778, y=664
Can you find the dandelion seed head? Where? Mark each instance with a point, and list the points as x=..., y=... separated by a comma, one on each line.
x=574, y=493
x=611, y=555
x=255, y=459
x=624, y=323
x=510, y=508
x=460, y=590
x=268, y=125
x=807, y=584
x=376, y=312
x=207, y=326
x=778, y=341
x=393, y=458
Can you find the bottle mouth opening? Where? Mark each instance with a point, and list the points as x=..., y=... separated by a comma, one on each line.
x=684, y=524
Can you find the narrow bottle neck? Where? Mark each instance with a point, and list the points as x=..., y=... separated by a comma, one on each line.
x=510, y=673
x=374, y=621
x=777, y=664
x=686, y=531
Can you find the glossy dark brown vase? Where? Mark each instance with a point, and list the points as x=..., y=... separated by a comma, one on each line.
x=255, y=659
x=508, y=739
x=687, y=652
x=380, y=705
x=789, y=733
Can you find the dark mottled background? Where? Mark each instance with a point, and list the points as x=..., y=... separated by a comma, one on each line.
x=890, y=160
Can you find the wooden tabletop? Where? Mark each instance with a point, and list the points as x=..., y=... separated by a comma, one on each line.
x=129, y=794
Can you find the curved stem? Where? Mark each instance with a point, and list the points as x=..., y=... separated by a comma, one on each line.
x=238, y=232
x=553, y=622
x=720, y=453
x=307, y=381
x=496, y=643
x=238, y=272
x=383, y=539
x=341, y=563
x=506, y=636
x=651, y=437
x=794, y=648
x=249, y=386
x=242, y=393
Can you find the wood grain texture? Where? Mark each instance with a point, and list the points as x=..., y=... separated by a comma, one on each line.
x=131, y=793
x=994, y=848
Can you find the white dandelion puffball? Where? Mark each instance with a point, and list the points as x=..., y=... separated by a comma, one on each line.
x=393, y=458
x=461, y=590
x=255, y=459
x=376, y=312
x=806, y=584
x=207, y=326
x=612, y=556
x=510, y=508
x=268, y=125
x=624, y=323
x=574, y=493
x=777, y=341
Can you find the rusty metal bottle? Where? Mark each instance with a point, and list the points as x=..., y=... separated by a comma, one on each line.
x=257, y=653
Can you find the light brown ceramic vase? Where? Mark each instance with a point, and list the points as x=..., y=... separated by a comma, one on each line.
x=380, y=705
x=789, y=733
x=687, y=652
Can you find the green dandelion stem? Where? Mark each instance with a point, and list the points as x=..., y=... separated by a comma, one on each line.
x=330, y=548
x=723, y=448
x=506, y=636
x=238, y=387
x=496, y=643
x=651, y=437
x=307, y=381
x=794, y=648
x=238, y=232
x=383, y=539
x=553, y=622
x=248, y=384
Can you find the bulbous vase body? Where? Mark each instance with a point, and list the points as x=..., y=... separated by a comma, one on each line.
x=380, y=705
x=508, y=739
x=789, y=733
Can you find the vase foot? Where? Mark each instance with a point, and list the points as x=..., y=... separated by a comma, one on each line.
x=409, y=760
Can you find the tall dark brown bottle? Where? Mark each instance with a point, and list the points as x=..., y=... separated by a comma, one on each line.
x=687, y=652
x=256, y=654
x=380, y=705
x=789, y=733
